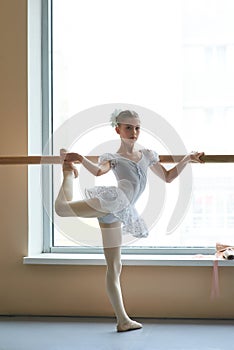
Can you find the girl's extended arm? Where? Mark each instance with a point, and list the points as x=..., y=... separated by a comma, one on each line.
x=93, y=168
x=171, y=174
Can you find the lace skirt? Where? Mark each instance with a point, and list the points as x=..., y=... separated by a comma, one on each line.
x=114, y=201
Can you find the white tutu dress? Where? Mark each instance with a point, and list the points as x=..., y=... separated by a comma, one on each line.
x=118, y=201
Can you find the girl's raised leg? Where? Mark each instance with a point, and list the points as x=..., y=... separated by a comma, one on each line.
x=111, y=234
x=64, y=206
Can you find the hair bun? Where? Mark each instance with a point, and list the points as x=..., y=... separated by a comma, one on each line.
x=118, y=116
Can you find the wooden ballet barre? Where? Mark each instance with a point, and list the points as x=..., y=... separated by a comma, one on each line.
x=30, y=160
x=220, y=158
x=27, y=160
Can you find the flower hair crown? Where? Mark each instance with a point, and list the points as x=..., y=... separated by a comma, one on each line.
x=113, y=118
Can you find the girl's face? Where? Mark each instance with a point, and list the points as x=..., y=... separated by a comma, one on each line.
x=130, y=129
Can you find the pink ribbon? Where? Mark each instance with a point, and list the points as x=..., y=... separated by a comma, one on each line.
x=215, y=293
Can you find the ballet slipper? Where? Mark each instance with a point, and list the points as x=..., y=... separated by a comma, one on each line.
x=129, y=326
x=68, y=166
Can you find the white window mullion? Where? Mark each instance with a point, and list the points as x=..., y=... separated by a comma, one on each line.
x=46, y=78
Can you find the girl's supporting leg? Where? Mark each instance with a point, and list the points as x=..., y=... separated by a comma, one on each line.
x=112, y=239
x=111, y=234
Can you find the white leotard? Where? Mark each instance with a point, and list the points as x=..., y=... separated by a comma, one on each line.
x=118, y=201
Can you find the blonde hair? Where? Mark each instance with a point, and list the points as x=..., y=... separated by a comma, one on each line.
x=118, y=116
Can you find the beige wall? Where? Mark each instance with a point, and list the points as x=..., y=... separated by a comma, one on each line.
x=74, y=290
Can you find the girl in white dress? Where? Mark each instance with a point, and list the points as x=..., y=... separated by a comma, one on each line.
x=113, y=206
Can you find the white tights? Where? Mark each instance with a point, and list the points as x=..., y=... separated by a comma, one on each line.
x=111, y=236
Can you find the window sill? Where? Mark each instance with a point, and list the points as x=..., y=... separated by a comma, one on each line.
x=127, y=260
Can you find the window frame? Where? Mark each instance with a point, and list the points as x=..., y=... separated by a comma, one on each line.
x=39, y=225
x=39, y=125
x=47, y=171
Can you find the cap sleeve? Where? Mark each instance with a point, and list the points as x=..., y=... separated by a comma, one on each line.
x=107, y=157
x=153, y=157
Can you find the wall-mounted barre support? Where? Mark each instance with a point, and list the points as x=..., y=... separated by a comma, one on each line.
x=27, y=160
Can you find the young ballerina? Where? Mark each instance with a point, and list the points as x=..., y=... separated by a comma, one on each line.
x=114, y=205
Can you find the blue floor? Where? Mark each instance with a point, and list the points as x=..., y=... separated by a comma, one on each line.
x=68, y=333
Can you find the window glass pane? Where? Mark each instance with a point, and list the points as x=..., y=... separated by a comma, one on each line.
x=173, y=57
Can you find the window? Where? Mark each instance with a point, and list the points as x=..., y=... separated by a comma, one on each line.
x=170, y=57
